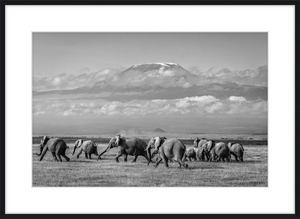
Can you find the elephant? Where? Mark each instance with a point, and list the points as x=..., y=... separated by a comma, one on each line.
x=190, y=153
x=237, y=150
x=167, y=149
x=134, y=147
x=88, y=147
x=56, y=146
x=217, y=151
x=200, y=149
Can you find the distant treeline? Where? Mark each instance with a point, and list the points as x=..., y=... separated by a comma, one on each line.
x=68, y=140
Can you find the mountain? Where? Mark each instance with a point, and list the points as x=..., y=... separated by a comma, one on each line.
x=159, y=66
x=150, y=74
x=158, y=130
x=162, y=80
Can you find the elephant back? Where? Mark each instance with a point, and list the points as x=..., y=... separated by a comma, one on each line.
x=221, y=147
x=174, y=144
x=87, y=145
x=56, y=144
x=135, y=146
x=236, y=147
x=136, y=143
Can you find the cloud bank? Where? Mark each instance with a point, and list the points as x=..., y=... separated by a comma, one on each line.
x=163, y=77
x=197, y=105
x=65, y=82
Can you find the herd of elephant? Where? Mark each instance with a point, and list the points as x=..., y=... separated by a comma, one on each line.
x=167, y=149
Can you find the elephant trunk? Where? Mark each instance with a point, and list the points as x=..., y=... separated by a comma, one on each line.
x=106, y=150
x=154, y=153
x=148, y=150
x=74, y=150
x=41, y=149
x=96, y=151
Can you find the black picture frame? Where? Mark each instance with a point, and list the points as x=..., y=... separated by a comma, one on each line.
x=152, y=2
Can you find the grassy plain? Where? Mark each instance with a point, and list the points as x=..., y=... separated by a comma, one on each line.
x=253, y=172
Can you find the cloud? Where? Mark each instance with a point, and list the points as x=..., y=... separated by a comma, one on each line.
x=162, y=77
x=65, y=82
x=196, y=105
x=234, y=98
x=256, y=77
x=214, y=107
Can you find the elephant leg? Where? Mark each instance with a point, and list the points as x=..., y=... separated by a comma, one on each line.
x=86, y=155
x=190, y=159
x=90, y=156
x=64, y=155
x=125, y=157
x=158, y=160
x=236, y=158
x=43, y=153
x=165, y=161
x=146, y=157
x=182, y=163
x=241, y=158
x=59, y=157
x=119, y=154
x=135, y=157
x=54, y=156
x=207, y=157
x=79, y=152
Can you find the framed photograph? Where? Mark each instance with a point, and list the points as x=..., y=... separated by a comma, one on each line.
x=128, y=110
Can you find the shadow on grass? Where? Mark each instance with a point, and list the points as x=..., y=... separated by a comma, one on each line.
x=81, y=161
x=250, y=161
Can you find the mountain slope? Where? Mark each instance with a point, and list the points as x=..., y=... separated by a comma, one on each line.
x=158, y=130
x=169, y=81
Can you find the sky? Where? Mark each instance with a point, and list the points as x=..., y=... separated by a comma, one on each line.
x=55, y=53
x=216, y=84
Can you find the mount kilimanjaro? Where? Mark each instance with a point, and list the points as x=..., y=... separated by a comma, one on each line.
x=163, y=79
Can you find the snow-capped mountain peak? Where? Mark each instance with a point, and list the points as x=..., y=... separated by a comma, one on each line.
x=157, y=63
x=156, y=67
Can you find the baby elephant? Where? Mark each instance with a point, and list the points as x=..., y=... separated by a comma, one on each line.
x=56, y=146
x=88, y=147
x=167, y=149
x=218, y=151
x=190, y=154
x=237, y=150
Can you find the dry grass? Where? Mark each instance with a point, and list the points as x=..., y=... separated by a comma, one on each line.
x=252, y=172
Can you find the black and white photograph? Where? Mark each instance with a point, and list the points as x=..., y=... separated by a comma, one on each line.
x=150, y=109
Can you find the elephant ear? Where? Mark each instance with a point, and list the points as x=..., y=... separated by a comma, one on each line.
x=150, y=143
x=196, y=142
x=157, y=142
x=78, y=143
x=44, y=140
x=210, y=145
x=118, y=137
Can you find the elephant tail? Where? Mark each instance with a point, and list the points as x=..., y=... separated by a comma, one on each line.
x=242, y=147
x=184, y=156
x=96, y=151
x=134, y=153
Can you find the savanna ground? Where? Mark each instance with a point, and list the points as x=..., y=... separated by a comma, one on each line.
x=253, y=172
